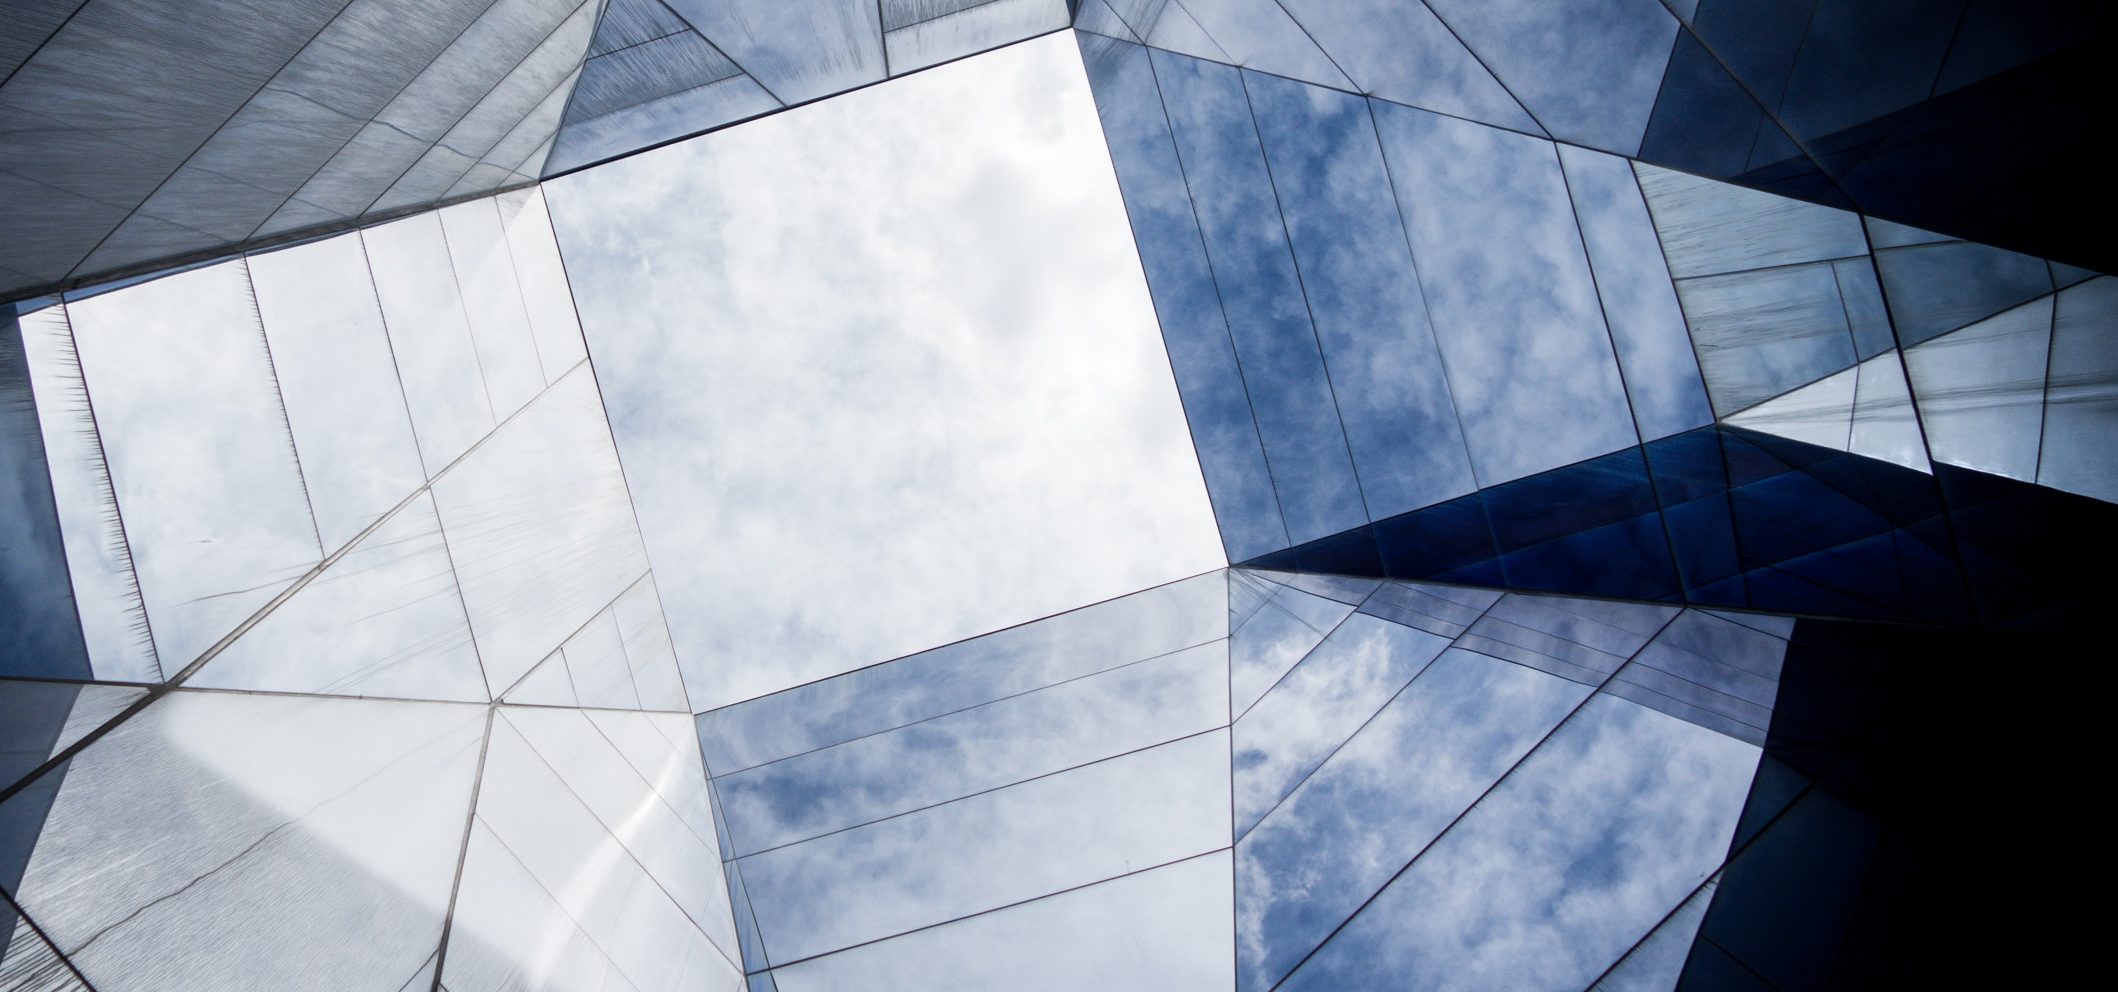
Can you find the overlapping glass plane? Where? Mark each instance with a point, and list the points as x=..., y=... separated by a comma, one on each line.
x=1639, y=436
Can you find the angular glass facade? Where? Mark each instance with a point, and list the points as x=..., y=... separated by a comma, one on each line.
x=468, y=527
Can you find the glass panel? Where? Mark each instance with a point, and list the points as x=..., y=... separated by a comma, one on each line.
x=30, y=964
x=1709, y=227
x=1401, y=52
x=1533, y=374
x=1884, y=425
x=431, y=337
x=690, y=112
x=662, y=748
x=106, y=594
x=595, y=660
x=40, y=719
x=1865, y=311
x=1588, y=69
x=1820, y=413
x=1937, y=288
x=647, y=649
x=1442, y=610
x=42, y=636
x=543, y=281
x=1363, y=294
x=1093, y=823
x=2081, y=393
x=549, y=684
x=1609, y=824
x=182, y=379
x=1259, y=34
x=1092, y=639
x=1981, y=390
x=977, y=749
x=682, y=861
x=1763, y=333
x=268, y=822
x=797, y=51
x=635, y=919
x=1347, y=589
x=540, y=527
x=1714, y=673
x=1224, y=431
x=1657, y=962
x=1318, y=705
x=507, y=353
x=966, y=441
x=1267, y=313
x=1274, y=639
x=945, y=36
x=1580, y=639
x=1157, y=930
x=383, y=620
x=1639, y=302
x=1381, y=799
x=339, y=380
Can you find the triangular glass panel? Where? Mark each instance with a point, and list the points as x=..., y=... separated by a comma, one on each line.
x=548, y=684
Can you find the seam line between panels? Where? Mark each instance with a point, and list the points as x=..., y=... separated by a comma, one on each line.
x=75, y=269
x=480, y=158
x=579, y=928
x=37, y=929
x=469, y=330
x=1593, y=692
x=463, y=852
x=326, y=163
x=996, y=909
x=1306, y=655
x=1195, y=22
x=1296, y=786
x=1941, y=65
x=882, y=37
x=1213, y=276
x=1106, y=759
x=722, y=52
x=713, y=844
x=1448, y=387
x=507, y=246
x=1495, y=76
x=2044, y=393
x=614, y=835
x=467, y=111
x=1326, y=53
x=1235, y=953
x=561, y=647
x=885, y=31
x=1772, y=113
x=279, y=395
x=1301, y=285
x=966, y=709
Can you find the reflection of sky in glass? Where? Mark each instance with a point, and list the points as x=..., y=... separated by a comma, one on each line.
x=864, y=406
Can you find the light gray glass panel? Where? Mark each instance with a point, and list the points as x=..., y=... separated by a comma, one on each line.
x=1763, y=333
x=1402, y=53
x=1158, y=930
x=1865, y=310
x=595, y=658
x=1980, y=391
x=664, y=750
x=2081, y=393
x=190, y=847
x=1709, y=227
x=106, y=593
x=1820, y=413
x=196, y=439
x=548, y=684
x=338, y=378
x=1709, y=671
x=648, y=652
x=437, y=361
x=977, y=749
x=385, y=619
x=1529, y=362
x=797, y=51
x=972, y=29
x=518, y=157
x=589, y=871
x=1605, y=828
x=1090, y=824
x=1589, y=70
x=1884, y=424
x=542, y=275
x=1318, y=705
x=680, y=859
x=1639, y=301
x=540, y=527
x=1381, y=799
x=1092, y=639
x=1657, y=962
x=1276, y=637
x=29, y=964
x=492, y=299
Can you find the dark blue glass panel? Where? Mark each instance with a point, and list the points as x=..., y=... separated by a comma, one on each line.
x=1268, y=317
x=1784, y=902
x=1865, y=58
x=1452, y=542
x=1758, y=40
x=1938, y=288
x=1570, y=500
x=1357, y=271
x=1704, y=121
x=1231, y=456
